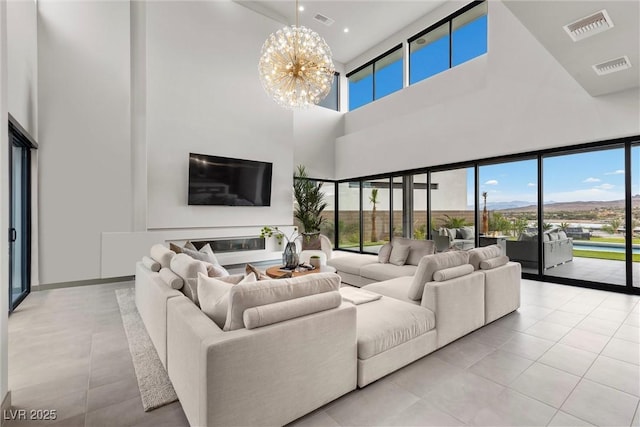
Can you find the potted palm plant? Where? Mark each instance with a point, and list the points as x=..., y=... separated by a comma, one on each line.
x=308, y=207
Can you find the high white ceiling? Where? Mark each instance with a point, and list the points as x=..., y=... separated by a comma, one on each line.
x=545, y=19
x=372, y=21
x=369, y=21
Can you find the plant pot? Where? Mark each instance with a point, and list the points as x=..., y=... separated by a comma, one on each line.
x=290, y=256
x=315, y=261
x=311, y=241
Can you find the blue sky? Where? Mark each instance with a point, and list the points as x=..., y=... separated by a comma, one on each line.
x=593, y=176
x=469, y=41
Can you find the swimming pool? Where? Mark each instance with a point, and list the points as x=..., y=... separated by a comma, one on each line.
x=604, y=247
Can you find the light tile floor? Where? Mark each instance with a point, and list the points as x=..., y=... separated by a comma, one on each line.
x=568, y=356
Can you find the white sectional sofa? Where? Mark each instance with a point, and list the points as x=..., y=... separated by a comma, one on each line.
x=258, y=375
x=290, y=346
x=363, y=269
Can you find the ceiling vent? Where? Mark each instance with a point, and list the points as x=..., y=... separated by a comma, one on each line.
x=323, y=19
x=589, y=26
x=612, y=66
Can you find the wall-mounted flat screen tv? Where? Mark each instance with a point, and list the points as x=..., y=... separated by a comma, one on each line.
x=215, y=180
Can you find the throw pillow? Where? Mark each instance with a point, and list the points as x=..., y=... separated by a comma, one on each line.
x=188, y=268
x=161, y=254
x=214, y=296
x=151, y=264
x=399, y=254
x=175, y=248
x=204, y=254
x=172, y=279
x=492, y=263
x=385, y=252
x=216, y=270
x=467, y=233
x=260, y=275
x=452, y=233
x=452, y=272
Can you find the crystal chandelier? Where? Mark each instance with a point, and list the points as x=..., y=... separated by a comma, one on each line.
x=295, y=67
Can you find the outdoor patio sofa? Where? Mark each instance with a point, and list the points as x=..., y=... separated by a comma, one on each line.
x=557, y=247
x=290, y=346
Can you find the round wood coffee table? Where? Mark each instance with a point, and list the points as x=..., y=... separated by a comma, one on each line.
x=275, y=272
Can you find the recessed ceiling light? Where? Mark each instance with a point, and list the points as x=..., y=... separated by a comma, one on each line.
x=346, y=30
x=589, y=26
x=301, y=8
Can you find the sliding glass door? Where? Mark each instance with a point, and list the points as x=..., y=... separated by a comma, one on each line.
x=584, y=216
x=508, y=210
x=453, y=218
x=20, y=216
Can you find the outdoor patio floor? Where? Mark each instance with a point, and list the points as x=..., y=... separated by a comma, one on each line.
x=594, y=270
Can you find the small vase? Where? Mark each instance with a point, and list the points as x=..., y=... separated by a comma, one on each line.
x=290, y=256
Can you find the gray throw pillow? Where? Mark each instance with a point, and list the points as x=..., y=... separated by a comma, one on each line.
x=399, y=254
x=204, y=254
x=467, y=233
x=385, y=253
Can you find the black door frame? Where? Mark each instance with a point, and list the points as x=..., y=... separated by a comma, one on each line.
x=19, y=137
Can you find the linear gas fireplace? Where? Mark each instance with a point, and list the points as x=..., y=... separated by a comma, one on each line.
x=233, y=245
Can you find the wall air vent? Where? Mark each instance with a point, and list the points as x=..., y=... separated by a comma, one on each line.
x=324, y=19
x=612, y=66
x=589, y=26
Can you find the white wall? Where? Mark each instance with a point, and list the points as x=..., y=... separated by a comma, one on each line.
x=204, y=96
x=315, y=131
x=84, y=127
x=516, y=98
x=22, y=74
x=4, y=207
x=22, y=39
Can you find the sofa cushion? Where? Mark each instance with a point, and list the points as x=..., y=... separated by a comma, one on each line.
x=452, y=272
x=214, y=270
x=381, y=272
x=385, y=252
x=562, y=235
x=161, y=254
x=248, y=295
x=352, y=263
x=188, y=268
x=399, y=254
x=256, y=317
x=432, y=263
x=213, y=295
x=419, y=248
x=397, y=288
x=477, y=255
x=491, y=263
x=387, y=323
x=171, y=279
x=151, y=264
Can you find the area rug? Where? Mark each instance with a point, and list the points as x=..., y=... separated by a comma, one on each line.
x=154, y=384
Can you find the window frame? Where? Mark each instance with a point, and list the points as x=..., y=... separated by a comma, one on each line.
x=449, y=21
x=372, y=63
